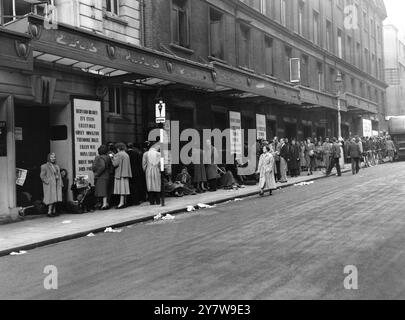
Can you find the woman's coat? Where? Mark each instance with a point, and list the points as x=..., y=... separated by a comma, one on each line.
x=266, y=165
x=151, y=166
x=52, y=183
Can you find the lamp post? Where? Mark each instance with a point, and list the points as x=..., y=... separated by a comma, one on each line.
x=339, y=89
x=339, y=83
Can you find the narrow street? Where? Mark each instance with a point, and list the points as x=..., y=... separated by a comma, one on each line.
x=293, y=245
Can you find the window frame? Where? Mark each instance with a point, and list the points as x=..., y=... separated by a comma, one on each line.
x=114, y=7
x=117, y=109
x=187, y=11
x=223, y=31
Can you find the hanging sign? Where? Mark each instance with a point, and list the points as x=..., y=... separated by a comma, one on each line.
x=235, y=123
x=261, y=127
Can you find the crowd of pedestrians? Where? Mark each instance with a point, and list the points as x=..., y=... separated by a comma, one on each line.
x=130, y=174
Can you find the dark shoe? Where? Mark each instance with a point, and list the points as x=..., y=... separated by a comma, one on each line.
x=121, y=207
x=262, y=193
x=51, y=215
x=105, y=208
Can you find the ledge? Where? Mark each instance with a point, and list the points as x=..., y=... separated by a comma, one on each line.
x=180, y=48
x=116, y=19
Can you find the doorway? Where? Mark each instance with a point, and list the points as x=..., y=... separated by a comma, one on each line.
x=290, y=131
x=32, y=132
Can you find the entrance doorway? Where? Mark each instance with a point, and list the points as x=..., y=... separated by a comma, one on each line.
x=32, y=149
x=307, y=130
x=290, y=131
x=321, y=133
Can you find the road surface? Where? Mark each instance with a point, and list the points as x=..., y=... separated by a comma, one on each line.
x=293, y=245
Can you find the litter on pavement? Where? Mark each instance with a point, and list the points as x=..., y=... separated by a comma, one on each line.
x=168, y=217
x=204, y=206
x=302, y=184
x=190, y=208
x=238, y=199
x=67, y=222
x=157, y=217
x=111, y=230
x=91, y=235
x=21, y=252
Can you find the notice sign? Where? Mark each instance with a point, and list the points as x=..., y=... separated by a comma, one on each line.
x=367, y=128
x=87, y=135
x=261, y=127
x=160, y=112
x=235, y=123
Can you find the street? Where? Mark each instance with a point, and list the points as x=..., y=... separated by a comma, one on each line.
x=293, y=245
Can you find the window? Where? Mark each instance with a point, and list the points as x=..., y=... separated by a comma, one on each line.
x=305, y=71
x=115, y=106
x=349, y=49
x=288, y=57
x=244, y=46
x=358, y=55
x=301, y=8
x=180, y=23
x=283, y=12
x=320, y=76
x=340, y=44
x=216, y=35
x=316, y=27
x=329, y=35
x=113, y=6
x=13, y=9
x=268, y=55
x=366, y=60
x=353, y=86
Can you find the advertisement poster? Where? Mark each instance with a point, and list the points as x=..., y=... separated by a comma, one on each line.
x=21, y=175
x=261, y=127
x=367, y=128
x=87, y=135
x=235, y=122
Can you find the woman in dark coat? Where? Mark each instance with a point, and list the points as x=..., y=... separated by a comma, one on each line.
x=199, y=176
x=102, y=168
x=52, y=184
x=123, y=173
x=294, y=164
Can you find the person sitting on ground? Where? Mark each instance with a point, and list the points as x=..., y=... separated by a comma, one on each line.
x=187, y=181
x=172, y=189
x=226, y=179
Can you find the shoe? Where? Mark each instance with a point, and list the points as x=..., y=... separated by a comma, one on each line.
x=121, y=207
x=105, y=208
x=271, y=193
x=262, y=193
x=51, y=215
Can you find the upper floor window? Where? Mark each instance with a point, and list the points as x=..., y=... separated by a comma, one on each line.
x=316, y=27
x=113, y=6
x=180, y=23
x=301, y=8
x=244, y=46
x=283, y=12
x=328, y=35
x=216, y=34
x=340, y=44
x=268, y=55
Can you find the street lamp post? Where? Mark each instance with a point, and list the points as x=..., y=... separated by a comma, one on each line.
x=339, y=82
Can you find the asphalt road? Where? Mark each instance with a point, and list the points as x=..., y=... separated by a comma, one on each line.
x=293, y=245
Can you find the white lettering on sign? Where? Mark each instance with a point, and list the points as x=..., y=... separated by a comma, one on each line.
x=87, y=135
x=235, y=123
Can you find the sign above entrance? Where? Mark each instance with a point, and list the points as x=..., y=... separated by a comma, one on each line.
x=87, y=135
x=261, y=127
x=235, y=123
x=367, y=128
x=160, y=112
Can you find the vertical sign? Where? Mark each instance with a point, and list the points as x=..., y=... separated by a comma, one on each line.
x=367, y=128
x=261, y=127
x=236, y=134
x=87, y=135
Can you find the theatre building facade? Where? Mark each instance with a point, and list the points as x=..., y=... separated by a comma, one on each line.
x=75, y=74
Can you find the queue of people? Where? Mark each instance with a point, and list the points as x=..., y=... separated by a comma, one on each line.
x=128, y=174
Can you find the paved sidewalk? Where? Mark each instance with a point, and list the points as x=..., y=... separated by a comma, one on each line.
x=29, y=234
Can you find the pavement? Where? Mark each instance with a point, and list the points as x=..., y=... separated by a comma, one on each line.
x=293, y=245
x=33, y=233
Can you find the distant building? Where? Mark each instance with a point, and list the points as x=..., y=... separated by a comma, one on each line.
x=394, y=51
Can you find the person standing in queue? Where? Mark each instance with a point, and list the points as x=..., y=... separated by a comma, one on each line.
x=335, y=158
x=52, y=184
x=211, y=168
x=151, y=166
x=284, y=154
x=122, y=175
x=102, y=168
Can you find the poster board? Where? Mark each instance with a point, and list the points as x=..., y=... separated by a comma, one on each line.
x=87, y=135
x=235, y=124
x=261, y=129
x=367, y=128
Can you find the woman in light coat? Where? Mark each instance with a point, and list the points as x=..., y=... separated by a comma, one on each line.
x=266, y=167
x=123, y=173
x=151, y=166
x=52, y=184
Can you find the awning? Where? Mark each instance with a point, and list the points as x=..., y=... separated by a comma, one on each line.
x=356, y=104
x=15, y=50
x=99, y=55
x=252, y=85
x=314, y=98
